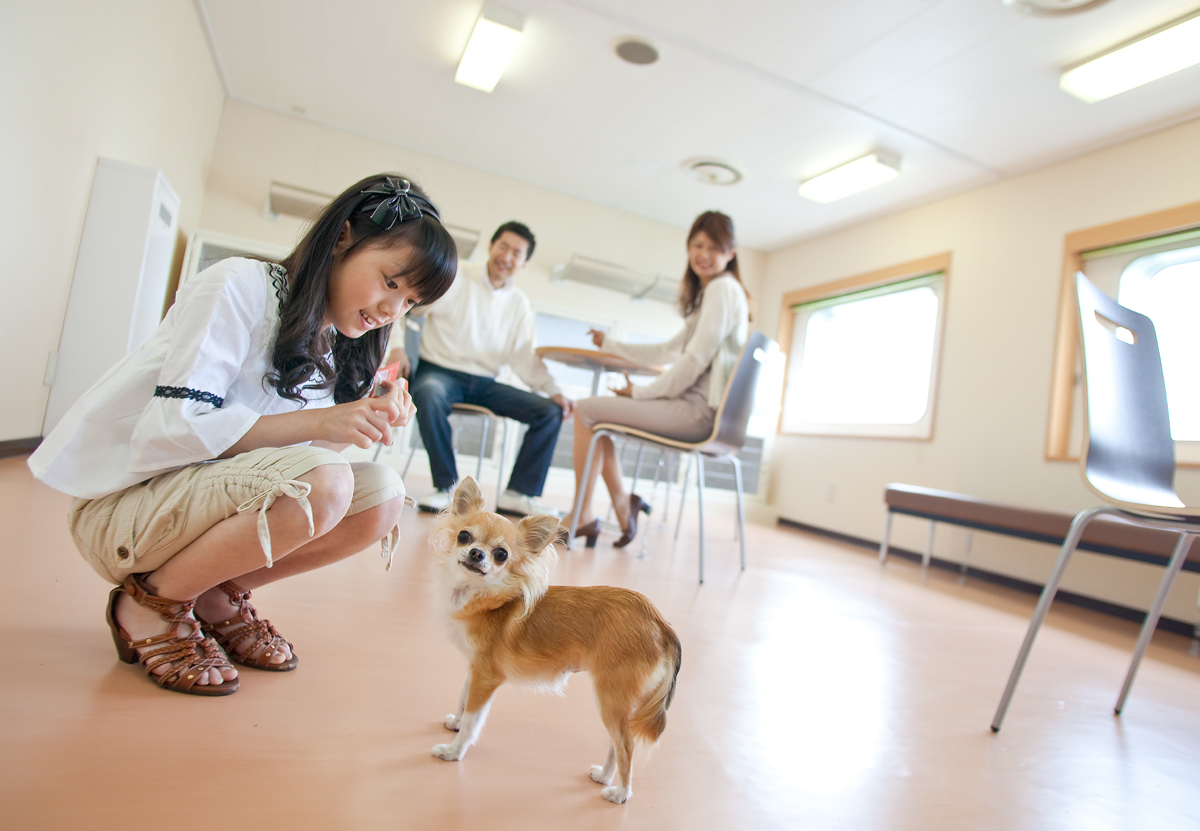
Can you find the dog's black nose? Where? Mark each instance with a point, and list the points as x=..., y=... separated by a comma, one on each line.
x=476, y=555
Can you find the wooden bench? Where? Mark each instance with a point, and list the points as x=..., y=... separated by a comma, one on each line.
x=1103, y=535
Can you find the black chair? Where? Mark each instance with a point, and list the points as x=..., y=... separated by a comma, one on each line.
x=1128, y=458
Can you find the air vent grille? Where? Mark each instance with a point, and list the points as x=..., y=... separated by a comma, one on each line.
x=306, y=204
x=637, y=285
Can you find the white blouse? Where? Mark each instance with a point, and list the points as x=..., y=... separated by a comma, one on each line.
x=712, y=338
x=185, y=395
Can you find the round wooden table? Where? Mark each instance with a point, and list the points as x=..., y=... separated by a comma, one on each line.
x=598, y=362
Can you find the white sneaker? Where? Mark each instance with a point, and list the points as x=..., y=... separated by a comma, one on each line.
x=436, y=501
x=512, y=502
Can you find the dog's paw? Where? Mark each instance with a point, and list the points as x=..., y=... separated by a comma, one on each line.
x=451, y=722
x=617, y=793
x=447, y=752
x=597, y=774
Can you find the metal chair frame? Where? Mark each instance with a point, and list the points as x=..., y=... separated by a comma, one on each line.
x=728, y=437
x=475, y=410
x=1128, y=458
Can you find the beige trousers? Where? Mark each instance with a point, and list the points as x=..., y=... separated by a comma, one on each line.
x=136, y=530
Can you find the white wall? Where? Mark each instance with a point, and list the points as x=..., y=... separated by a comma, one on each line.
x=131, y=80
x=256, y=146
x=1006, y=242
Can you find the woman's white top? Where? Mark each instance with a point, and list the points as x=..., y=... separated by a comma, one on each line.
x=711, y=339
x=185, y=395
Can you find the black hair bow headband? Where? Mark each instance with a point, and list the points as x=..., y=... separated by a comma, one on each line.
x=398, y=204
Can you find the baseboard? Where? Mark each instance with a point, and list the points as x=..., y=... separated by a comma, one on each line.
x=1165, y=623
x=19, y=447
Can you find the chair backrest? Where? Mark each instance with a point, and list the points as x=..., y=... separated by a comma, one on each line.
x=1129, y=456
x=414, y=326
x=733, y=414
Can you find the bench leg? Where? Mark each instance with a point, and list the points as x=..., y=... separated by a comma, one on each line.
x=887, y=532
x=928, y=555
x=1043, y=606
x=1152, y=616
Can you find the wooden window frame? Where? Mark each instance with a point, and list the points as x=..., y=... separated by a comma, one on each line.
x=862, y=282
x=1066, y=340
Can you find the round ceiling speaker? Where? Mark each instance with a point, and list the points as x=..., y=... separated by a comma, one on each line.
x=712, y=171
x=635, y=51
x=1053, y=7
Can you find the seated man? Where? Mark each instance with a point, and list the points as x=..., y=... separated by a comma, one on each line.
x=482, y=323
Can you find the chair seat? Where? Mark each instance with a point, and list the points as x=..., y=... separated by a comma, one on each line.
x=709, y=446
x=474, y=409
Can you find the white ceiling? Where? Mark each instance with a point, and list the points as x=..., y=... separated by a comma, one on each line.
x=966, y=91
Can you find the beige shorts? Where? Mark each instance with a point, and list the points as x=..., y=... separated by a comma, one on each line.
x=136, y=530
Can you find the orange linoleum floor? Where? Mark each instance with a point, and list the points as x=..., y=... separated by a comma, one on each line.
x=818, y=691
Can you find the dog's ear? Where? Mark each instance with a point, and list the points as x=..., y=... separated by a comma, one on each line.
x=467, y=498
x=537, y=532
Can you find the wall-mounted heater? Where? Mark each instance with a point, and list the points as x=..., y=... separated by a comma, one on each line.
x=306, y=204
x=637, y=285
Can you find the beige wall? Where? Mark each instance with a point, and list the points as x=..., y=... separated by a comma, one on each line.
x=129, y=80
x=990, y=429
x=256, y=146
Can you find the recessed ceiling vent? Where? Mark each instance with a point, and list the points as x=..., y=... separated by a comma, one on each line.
x=307, y=204
x=635, y=51
x=712, y=171
x=1053, y=7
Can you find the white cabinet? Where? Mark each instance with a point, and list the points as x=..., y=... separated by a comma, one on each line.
x=120, y=283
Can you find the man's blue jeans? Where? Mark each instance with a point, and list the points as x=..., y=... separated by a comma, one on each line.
x=435, y=390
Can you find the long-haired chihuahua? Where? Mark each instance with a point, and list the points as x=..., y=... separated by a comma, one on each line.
x=513, y=625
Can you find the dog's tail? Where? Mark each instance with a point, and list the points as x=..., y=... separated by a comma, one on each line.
x=650, y=719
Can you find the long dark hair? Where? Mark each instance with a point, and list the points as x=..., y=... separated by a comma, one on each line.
x=304, y=346
x=719, y=229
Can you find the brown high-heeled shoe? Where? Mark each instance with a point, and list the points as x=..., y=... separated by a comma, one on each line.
x=188, y=657
x=636, y=504
x=591, y=531
x=248, y=633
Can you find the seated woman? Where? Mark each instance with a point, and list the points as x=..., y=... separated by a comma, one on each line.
x=681, y=403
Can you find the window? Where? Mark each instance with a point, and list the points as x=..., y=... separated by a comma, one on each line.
x=1165, y=287
x=863, y=353
x=1150, y=264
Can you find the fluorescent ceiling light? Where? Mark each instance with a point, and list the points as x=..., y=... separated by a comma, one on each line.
x=1168, y=49
x=852, y=177
x=492, y=43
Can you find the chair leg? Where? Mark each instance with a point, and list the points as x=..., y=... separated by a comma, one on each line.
x=737, y=474
x=687, y=475
x=483, y=431
x=700, y=490
x=1043, y=606
x=928, y=554
x=1152, y=616
x=665, y=516
x=887, y=533
x=503, y=448
x=412, y=451
x=587, y=469
x=637, y=467
x=378, y=450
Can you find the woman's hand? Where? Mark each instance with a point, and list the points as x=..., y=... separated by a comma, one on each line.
x=625, y=391
x=597, y=337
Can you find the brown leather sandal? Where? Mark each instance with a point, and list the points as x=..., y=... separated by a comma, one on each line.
x=249, y=634
x=188, y=657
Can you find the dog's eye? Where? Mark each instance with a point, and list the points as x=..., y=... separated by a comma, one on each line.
x=464, y=537
x=499, y=555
